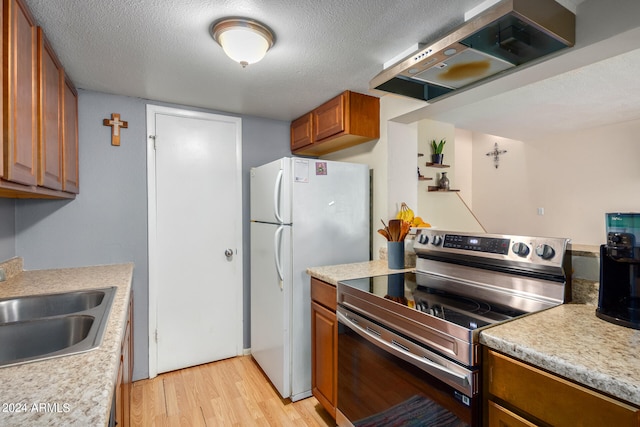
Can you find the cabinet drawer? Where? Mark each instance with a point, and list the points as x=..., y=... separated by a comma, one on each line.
x=501, y=417
x=324, y=293
x=553, y=399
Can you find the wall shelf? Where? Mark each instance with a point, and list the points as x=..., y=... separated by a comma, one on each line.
x=438, y=189
x=436, y=165
x=424, y=178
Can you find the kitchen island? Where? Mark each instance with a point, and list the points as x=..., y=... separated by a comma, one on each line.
x=73, y=390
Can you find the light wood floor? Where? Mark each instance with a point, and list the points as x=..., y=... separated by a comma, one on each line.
x=231, y=392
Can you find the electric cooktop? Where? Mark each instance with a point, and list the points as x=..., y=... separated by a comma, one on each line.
x=414, y=291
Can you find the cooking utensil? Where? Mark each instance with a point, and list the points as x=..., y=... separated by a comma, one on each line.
x=396, y=231
x=395, y=227
x=384, y=233
x=386, y=228
x=404, y=230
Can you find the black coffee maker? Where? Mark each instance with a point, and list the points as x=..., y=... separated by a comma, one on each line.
x=619, y=296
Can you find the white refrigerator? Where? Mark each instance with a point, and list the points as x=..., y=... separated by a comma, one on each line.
x=304, y=213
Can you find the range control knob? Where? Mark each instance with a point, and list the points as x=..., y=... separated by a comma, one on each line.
x=520, y=249
x=545, y=251
x=424, y=239
x=437, y=240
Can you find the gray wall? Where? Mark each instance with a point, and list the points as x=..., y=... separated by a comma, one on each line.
x=7, y=229
x=107, y=222
x=263, y=140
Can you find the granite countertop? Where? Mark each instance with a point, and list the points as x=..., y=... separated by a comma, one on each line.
x=334, y=273
x=72, y=390
x=570, y=341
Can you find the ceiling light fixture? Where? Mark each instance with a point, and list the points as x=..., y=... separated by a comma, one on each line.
x=244, y=40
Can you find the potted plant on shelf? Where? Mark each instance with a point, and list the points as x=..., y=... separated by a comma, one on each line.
x=437, y=148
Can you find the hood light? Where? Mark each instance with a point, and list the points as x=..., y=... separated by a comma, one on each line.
x=244, y=40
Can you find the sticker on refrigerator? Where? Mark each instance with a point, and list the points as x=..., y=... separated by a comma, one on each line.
x=301, y=170
x=321, y=168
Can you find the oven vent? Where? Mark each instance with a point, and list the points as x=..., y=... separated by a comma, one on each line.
x=499, y=40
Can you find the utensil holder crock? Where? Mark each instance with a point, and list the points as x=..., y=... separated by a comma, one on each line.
x=395, y=255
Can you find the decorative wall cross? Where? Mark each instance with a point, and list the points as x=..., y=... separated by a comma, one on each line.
x=496, y=154
x=115, y=124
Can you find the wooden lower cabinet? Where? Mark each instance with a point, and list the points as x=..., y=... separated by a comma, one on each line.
x=123, y=386
x=518, y=394
x=324, y=345
x=501, y=417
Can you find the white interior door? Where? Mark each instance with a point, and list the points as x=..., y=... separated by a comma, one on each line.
x=195, y=235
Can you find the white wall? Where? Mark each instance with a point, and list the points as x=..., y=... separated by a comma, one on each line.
x=464, y=165
x=394, y=180
x=575, y=177
x=403, y=167
x=449, y=211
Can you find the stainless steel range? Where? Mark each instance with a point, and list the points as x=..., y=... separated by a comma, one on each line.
x=408, y=343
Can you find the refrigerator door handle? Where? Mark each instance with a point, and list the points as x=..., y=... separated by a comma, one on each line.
x=276, y=196
x=277, y=240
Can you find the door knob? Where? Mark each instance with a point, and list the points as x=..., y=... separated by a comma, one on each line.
x=228, y=253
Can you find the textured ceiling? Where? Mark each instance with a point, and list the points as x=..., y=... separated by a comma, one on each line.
x=161, y=50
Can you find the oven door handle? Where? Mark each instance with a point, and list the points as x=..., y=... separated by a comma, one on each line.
x=406, y=355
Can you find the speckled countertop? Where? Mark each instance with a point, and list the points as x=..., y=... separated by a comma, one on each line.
x=72, y=390
x=570, y=341
x=334, y=273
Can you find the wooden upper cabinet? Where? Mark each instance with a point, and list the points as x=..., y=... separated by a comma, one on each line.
x=301, y=132
x=33, y=155
x=20, y=97
x=330, y=118
x=2, y=143
x=71, y=170
x=344, y=121
x=50, y=88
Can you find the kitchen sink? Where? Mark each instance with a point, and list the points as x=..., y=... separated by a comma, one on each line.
x=37, y=306
x=39, y=327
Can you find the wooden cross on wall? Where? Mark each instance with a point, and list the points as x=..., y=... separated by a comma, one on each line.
x=115, y=124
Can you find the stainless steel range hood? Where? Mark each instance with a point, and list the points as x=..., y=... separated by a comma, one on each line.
x=509, y=34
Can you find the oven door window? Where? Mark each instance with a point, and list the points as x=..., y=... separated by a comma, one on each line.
x=376, y=388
